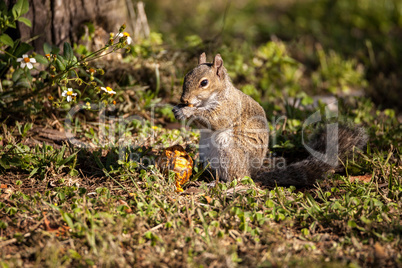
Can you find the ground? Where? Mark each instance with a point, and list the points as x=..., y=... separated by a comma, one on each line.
x=100, y=200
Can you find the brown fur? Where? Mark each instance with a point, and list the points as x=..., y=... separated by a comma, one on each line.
x=234, y=133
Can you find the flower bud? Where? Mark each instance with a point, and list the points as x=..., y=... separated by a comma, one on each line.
x=78, y=81
x=122, y=28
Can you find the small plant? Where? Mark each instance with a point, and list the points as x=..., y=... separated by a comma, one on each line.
x=278, y=71
x=337, y=75
x=38, y=160
x=43, y=76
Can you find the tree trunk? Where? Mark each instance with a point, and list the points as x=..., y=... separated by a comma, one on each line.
x=59, y=21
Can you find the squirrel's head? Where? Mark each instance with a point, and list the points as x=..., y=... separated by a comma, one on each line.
x=202, y=84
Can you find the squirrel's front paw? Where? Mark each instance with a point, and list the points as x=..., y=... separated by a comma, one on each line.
x=181, y=113
x=178, y=113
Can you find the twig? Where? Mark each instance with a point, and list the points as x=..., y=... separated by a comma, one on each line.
x=155, y=228
x=13, y=240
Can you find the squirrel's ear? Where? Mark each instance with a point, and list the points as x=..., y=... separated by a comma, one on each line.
x=218, y=65
x=202, y=59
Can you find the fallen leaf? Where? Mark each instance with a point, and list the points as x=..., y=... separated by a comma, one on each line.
x=379, y=251
x=127, y=208
x=363, y=178
x=193, y=190
x=208, y=199
x=47, y=224
x=61, y=231
x=176, y=159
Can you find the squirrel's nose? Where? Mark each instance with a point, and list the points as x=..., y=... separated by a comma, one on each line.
x=183, y=100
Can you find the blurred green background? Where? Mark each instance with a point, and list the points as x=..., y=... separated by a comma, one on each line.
x=318, y=47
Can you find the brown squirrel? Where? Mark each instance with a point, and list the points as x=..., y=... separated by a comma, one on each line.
x=234, y=132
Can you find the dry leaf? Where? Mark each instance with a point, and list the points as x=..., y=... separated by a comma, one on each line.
x=379, y=251
x=209, y=199
x=127, y=208
x=363, y=178
x=61, y=231
x=194, y=190
x=176, y=159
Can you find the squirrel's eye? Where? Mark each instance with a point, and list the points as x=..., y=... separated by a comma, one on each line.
x=204, y=83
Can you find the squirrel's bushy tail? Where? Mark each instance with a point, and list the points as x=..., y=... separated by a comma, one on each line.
x=329, y=152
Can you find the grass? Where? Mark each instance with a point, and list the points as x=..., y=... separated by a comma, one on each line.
x=102, y=202
x=65, y=206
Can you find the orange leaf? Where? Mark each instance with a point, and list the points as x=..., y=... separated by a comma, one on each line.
x=47, y=225
x=127, y=208
x=363, y=178
x=209, y=199
x=176, y=159
x=62, y=231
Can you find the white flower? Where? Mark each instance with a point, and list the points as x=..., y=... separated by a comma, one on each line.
x=108, y=90
x=69, y=93
x=129, y=39
x=25, y=60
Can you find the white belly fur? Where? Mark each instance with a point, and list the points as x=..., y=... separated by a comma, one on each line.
x=212, y=145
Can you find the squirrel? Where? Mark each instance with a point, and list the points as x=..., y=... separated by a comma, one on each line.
x=234, y=132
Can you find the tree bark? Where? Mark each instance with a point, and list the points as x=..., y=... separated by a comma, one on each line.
x=59, y=21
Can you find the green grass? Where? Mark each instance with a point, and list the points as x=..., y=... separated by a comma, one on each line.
x=335, y=223
x=106, y=204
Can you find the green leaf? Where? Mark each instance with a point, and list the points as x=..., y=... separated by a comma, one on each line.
x=27, y=127
x=20, y=8
x=33, y=172
x=26, y=21
x=74, y=172
x=62, y=196
x=62, y=162
x=14, y=13
x=12, y=25
x=60, y=65
x=68, y=52
x=148, y=235
x=50, y=49
x=352, y=224
x=305, y=231
x=25, y=7
x=6, y=39
x=3, y=225
x=60, y=155
x=68, y=159
x=55, y=50
x=17, y=74
x=4, y=163
x=23, y=82
x=41, y=59
x=17, y=8
x=47, y=48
